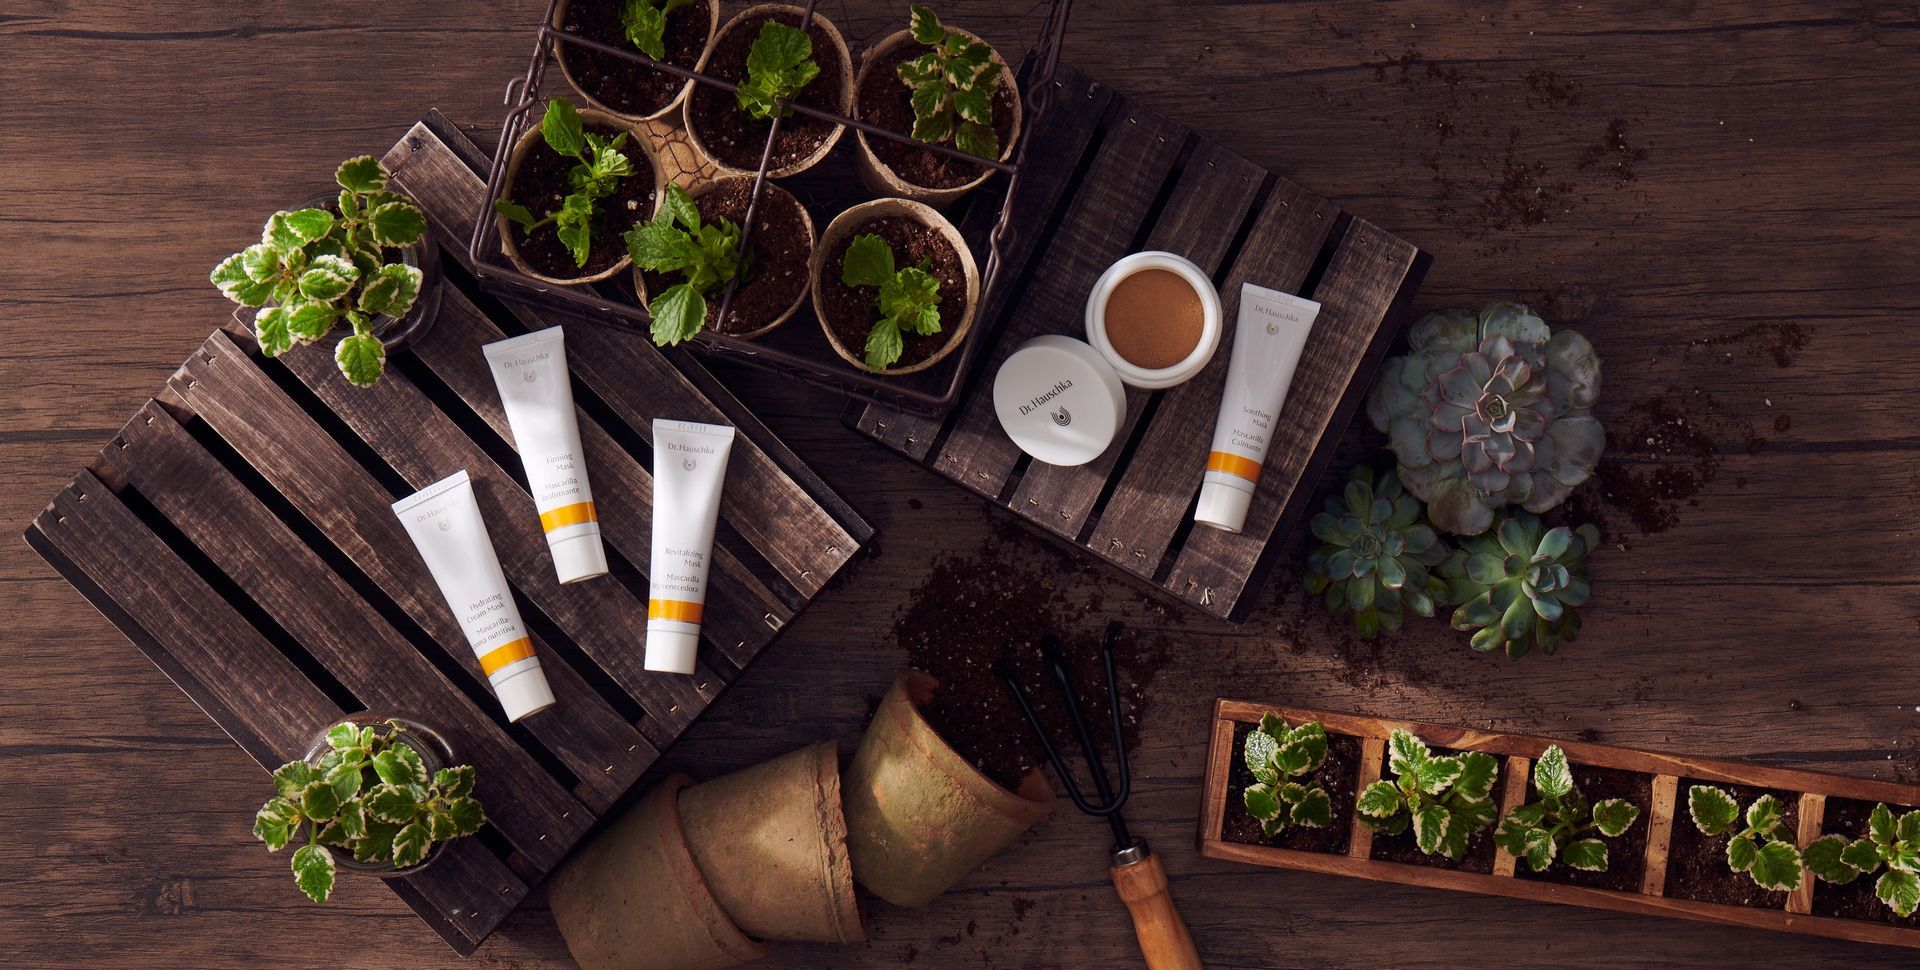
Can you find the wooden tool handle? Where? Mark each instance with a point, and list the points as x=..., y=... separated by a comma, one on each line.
x=1142, y=883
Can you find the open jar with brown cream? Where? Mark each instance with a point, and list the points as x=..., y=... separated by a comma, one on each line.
x=1154, y=316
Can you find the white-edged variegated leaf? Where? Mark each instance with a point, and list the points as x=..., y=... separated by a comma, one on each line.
x=391, y=803
x=1740, y=853
x=313, y=870
x=1430, y=824
x=1468, y=817
x=1613, y=816
x=1380, y=800
x=1438, y=773
x=1258, y=752
x=1511, y=836
x=1405, y=752
x=343, y=734
x=1908, y=828
x=1262, y=802
x=1881, y=826
x=454, y=782
x=1776, y=866
x=317, y=801
x=1764, y=815
x=1586, y=855
x=1477, y=773
x=410, y=845
x=391, y=290
x=353, y=819
x=1900, y=890
x=361, y=358
x=1713, y=811
x=1314, y=809
x=274, y=822
x=1311, y=737
x=305, y=225
x=308, y=322
x=328, y=278
x=345, y=781
x=1300, y=753
x=401, y=765
x=271, y=331
x=396, y=224
x=466, y=815
x=360, y=174
x=1862, y=854
x=289, y=778
x=1538, y=849
x=1824, y=858
x=1551, y=776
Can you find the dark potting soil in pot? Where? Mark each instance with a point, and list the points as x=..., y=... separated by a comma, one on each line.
x=883, y=100
x=1627, y=853
x=735, y=137
x=541, y=185
x=1855, y=900
x=625, y=86
x=1697, y=864
x=776, y=273
x=850, y=310
x=1403, y=848
x=1337, y=775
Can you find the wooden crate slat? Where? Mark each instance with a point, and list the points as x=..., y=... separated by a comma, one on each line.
x=622, y=489
x=299, y=459
x=1362, y=283
x=266, y=704
x=210, y=507
x=1208, y=203
x=1157, y=487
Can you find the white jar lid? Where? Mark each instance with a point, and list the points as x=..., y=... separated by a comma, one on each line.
x=1059, y=400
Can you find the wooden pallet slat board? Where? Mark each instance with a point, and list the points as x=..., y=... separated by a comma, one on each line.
x=1136, y=180
x=238, y=531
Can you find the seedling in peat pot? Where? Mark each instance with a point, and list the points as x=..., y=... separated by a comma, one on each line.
x=646, y=24
x=908, y=298
x=601, y=167
x=705, y=255
x=1890, y=842
x=952, y=85
x=779, y=64
x=1754, y=848
x=1281, y=759
x=1552, y=828
x=1446, y=798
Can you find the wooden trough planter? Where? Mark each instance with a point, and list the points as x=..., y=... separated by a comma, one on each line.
x=1656, y=879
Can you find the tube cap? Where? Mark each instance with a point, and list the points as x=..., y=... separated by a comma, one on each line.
x=671, y=651
x=524, y=693
x=1222, y=506
x=579, y=557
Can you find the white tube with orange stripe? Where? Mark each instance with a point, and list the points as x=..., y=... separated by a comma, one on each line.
x=689, y=470
x=531, y=372
x=444, y=521
x=1267, y=343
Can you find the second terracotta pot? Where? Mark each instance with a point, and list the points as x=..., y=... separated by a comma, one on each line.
x=845, y=225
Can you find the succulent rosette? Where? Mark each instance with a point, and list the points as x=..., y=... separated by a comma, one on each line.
x=1490, y=410
x=1520, y=586
x=1376, y=554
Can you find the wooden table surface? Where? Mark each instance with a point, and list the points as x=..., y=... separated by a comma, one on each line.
x=1723, y=195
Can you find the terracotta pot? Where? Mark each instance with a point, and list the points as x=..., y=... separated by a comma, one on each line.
x=633, y=898
x=561, y=49
x=847, y=224
x=878, y=177
x=919, y=816
x=640, y=277
x=772, y=843
x=843, y=60
x=529, y=141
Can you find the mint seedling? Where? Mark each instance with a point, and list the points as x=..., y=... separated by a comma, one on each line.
x=601, y=167
x=705, y=255
x=952, y=85
x=1890, y=842
x=1553, y=827
x=1445, y=798
x=645, y=23
x=908, y=297
x=779, y=64
x=313, y=269
x=1281, y=758
x=1754, y=848
x=369, y=795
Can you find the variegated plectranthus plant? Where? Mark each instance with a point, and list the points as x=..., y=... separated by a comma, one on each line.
x=313, y=269
x=1892, y=843
x=1445, y=798
x=953, y=85
x=1760, y=846
x=1283, y=760
x=1558, y=826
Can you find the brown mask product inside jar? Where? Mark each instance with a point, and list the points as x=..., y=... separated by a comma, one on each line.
x=1154, y=319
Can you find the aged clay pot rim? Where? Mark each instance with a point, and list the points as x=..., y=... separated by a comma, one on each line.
x=673, y=841
x=531, y=137
x=918, y=687
x=700, y=64
x=892, y=180
x=806, y=218
x=846, y=101
x=850, y=221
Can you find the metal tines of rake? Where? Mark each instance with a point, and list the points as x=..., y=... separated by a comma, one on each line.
x=1109, y=798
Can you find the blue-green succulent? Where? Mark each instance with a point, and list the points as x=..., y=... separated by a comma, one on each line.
x=1519, y=586
x=1376, y=554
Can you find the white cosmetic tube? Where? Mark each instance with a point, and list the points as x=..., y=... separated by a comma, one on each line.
x=531, y=372
x=444, y=521
x=689, y=470
x=1272, y=331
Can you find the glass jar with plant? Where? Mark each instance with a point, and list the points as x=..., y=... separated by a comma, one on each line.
x=1444, y=799
x=692, y=249
x=1562, y=825
x=772, y=58
x=591, y=179
x=677, y=32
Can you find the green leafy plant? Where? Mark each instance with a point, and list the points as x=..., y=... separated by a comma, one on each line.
x=1891, y=842
x=645, y=23
x=1281, y=759
x=705, y=255
x=1445, y=798
x=1376, y=554
x=908, y=297
x=1754, y=848
x=313, y=269
x=601, y=166
x=1519, y=587
x=1556, y=826
x=370, y=795
x=779, y=64
x=952, y=87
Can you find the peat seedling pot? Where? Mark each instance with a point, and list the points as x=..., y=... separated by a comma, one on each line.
x=772, y=843
x=900, y=169
x=632, y=91
x=724, y=133
x=919, y=816
x=537, y=178
x=774, y=284
x=435, y=753
x=914, y=232
x=634, y=899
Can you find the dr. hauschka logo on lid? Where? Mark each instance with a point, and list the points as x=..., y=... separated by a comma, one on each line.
x=1059, y=400
x=1062, y=417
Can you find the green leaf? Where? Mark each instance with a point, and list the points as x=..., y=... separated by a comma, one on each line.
x=1740, y=853
x=1551, y=776
x=1477, y=772
x=391, y=803
x=660, y=247
x=679, y=208
x=573, y=224
x=396, y=224
x=1379, y=800
x=1776, y=866
x=466, y=814
x=561, y=129
x=344, y=734
x=274, y=822
x=392, y=290
x=884, y=345
x=318, y=801
x=345, y=782
x=1824, y=857
x=924, y=25
x=1314, y=810
x=1430, y=823
x=1613, y=816
x=1261, y=801
x=646, y=24
x=377, y=844
x=1862, y=855
x=305, y=225
x=778, y=65
x=313, y=871
x=1405, y=753
x=868, y=262
x=1764, y=815
x=1437, y=774
x=1258, y=752
x=517, y=214
x=977, y=140
x=361, y=174
x=678, y=314
x=1881, y=826
x=360, y=357
x=410, y=845
x=454, y=782
x=1587, y=855
x=401, y=765
x=1714, y=812
x=353, y=819
x=1900, y=890
x=289, y=778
